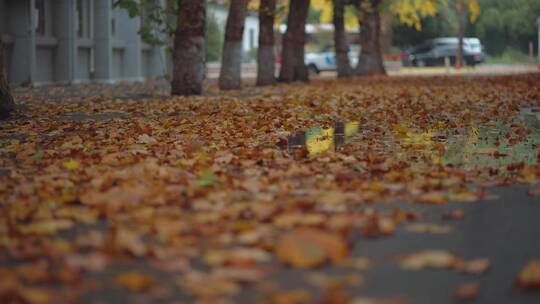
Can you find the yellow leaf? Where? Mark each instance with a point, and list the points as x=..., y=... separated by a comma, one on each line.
x=71, y=164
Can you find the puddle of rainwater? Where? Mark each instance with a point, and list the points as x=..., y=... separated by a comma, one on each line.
x=318, y=140
x=484, y=145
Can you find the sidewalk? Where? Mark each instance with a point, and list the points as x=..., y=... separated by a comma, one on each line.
x=249, y=70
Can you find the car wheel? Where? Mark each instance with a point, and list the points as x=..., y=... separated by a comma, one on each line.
x=420, y=63
x=313, y=70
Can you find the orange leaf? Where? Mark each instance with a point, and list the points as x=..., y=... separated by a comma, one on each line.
x=308, y=248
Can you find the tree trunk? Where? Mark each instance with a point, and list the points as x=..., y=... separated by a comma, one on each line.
x=230, y=75
x=266, y=66
x=461, y=33
x=370, y=59
x=7, y=105
x=386, y=31
x=340, y=40
x=189, y=49
x=292, y=57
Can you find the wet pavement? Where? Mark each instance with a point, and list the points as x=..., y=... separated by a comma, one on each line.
x=479, y=145
x=505, y=230
x=503, y=227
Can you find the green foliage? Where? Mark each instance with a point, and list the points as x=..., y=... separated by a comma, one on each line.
x=432, y=27
x=131, y=6
x=504, y=27
x=508, y=24
x=158, y=24
x=512, y=55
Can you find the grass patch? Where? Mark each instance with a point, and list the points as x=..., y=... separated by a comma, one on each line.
x=510, y=56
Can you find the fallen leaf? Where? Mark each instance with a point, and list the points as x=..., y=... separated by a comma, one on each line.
x=363, y=300
x=428, y=228
x=297, y=296
x=476, y=266
x=207, y=178
x=438, y=259
x=454, y=214
x=175, y=264
x=529, y=277
x=309, y=248
x=358, y=263
x=146, y=139
x=435, y=198
x=467, y=291
x=240, y=274
x=205, y=285
x=534, y=192
x=50, y=226
x=94, y=262
x=71, y=164
x=135, y=281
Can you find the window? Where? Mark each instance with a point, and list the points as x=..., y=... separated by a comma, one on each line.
x=113, y=27
x=84, y=18
x=80, y=19
x=113, y=20
x=39, y=15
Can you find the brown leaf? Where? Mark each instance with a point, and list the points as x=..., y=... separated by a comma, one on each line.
x=434, y=198
x=428, y=228
x=308, y=248
x=201, y=284
x=467, y=292
x=94, y=262
x=298, y=296
x=529, y=277
x=50, y=226
x=135, y=281
x=476, y=266
x=129, y=241
x=439, y=259
x=454, y=214
x=534, y=192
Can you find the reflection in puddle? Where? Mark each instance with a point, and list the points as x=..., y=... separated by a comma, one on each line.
x=493, y=144
x=318, y=140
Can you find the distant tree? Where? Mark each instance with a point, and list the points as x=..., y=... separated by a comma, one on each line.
x=7, y=105
x=266, y=66
x=462, y=9
x=507, y=24
x=341, y=47
x=369, y=18
x=292, y=56
x=231, y=64
x=184, y=23
x=370, y=59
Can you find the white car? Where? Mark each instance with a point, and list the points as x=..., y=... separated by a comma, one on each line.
x=326, y=61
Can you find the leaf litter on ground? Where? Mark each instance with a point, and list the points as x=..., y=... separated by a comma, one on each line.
x=178, y=182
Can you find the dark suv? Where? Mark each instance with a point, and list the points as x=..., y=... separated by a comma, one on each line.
x=433, y=52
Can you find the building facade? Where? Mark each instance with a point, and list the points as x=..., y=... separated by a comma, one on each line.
x=75, y=41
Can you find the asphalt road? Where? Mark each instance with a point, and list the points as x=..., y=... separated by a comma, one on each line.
x=505, y=229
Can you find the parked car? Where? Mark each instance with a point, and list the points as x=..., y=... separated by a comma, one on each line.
x=433, y=52
x=326, y=60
